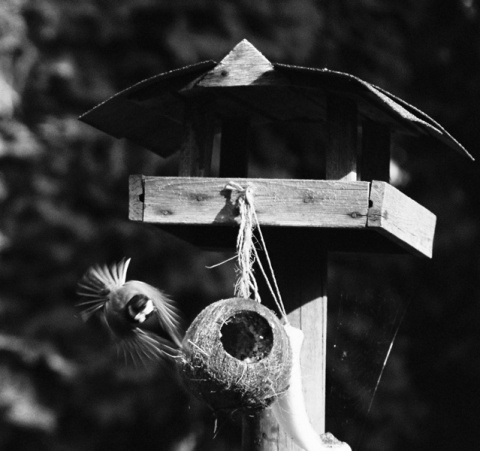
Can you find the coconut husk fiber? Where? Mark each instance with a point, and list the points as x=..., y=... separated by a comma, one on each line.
x=236, y=355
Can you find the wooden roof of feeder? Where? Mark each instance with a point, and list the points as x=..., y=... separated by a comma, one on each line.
x=157, y=114
x=150, y=113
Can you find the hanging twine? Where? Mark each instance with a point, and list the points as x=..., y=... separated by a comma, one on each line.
x=247, y=253
x=246, y=282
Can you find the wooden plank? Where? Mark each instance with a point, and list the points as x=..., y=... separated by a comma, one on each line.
x=342, y=135
x=243, y=66
x=308, y=301
x=337, y=206
x=306, y=304
x=375, y=155
x=402, y=219
x=136, y=198
x=278, y=202
x=199, y=129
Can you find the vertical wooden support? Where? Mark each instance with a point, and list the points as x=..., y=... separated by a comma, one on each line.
x=306, y=302
x=302, y=258
x=234, y=148
x=375, y=154
x=342, y=126
x=260, y=432
x=199, y=129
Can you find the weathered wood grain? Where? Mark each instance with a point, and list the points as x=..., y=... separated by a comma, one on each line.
x=189, y=201
x=401, y=219
x=198, y=132
x=243, y=66
x=342, y=135
x=295, y=203
x=135, y=205
x=303, y=261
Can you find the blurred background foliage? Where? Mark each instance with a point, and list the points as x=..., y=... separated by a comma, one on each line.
x=64, y=206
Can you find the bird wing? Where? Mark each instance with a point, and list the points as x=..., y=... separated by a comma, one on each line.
x=141, y=346
x=98, y=283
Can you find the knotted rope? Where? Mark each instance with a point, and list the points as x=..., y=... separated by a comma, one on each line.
x=247, y=253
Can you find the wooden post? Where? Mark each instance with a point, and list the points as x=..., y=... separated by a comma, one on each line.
x=342, y=131
x=260, y=432
x=199, y=129
x=300, y=265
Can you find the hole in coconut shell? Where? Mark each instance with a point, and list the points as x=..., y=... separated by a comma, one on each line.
x=247, y=336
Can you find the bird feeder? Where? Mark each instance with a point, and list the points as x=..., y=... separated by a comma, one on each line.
x=350, y=206
x=232, y=347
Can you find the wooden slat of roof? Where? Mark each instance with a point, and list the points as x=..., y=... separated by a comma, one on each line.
x=150, y=113
x=400, y=111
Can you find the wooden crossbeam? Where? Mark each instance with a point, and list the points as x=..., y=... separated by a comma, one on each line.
x=401, y=219
x=297, y=203
x=289, y=203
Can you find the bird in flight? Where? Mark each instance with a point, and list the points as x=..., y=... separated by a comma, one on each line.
x=145, y=322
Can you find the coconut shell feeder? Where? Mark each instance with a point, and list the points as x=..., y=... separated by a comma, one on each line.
x=348, y=206
x=236, y=354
